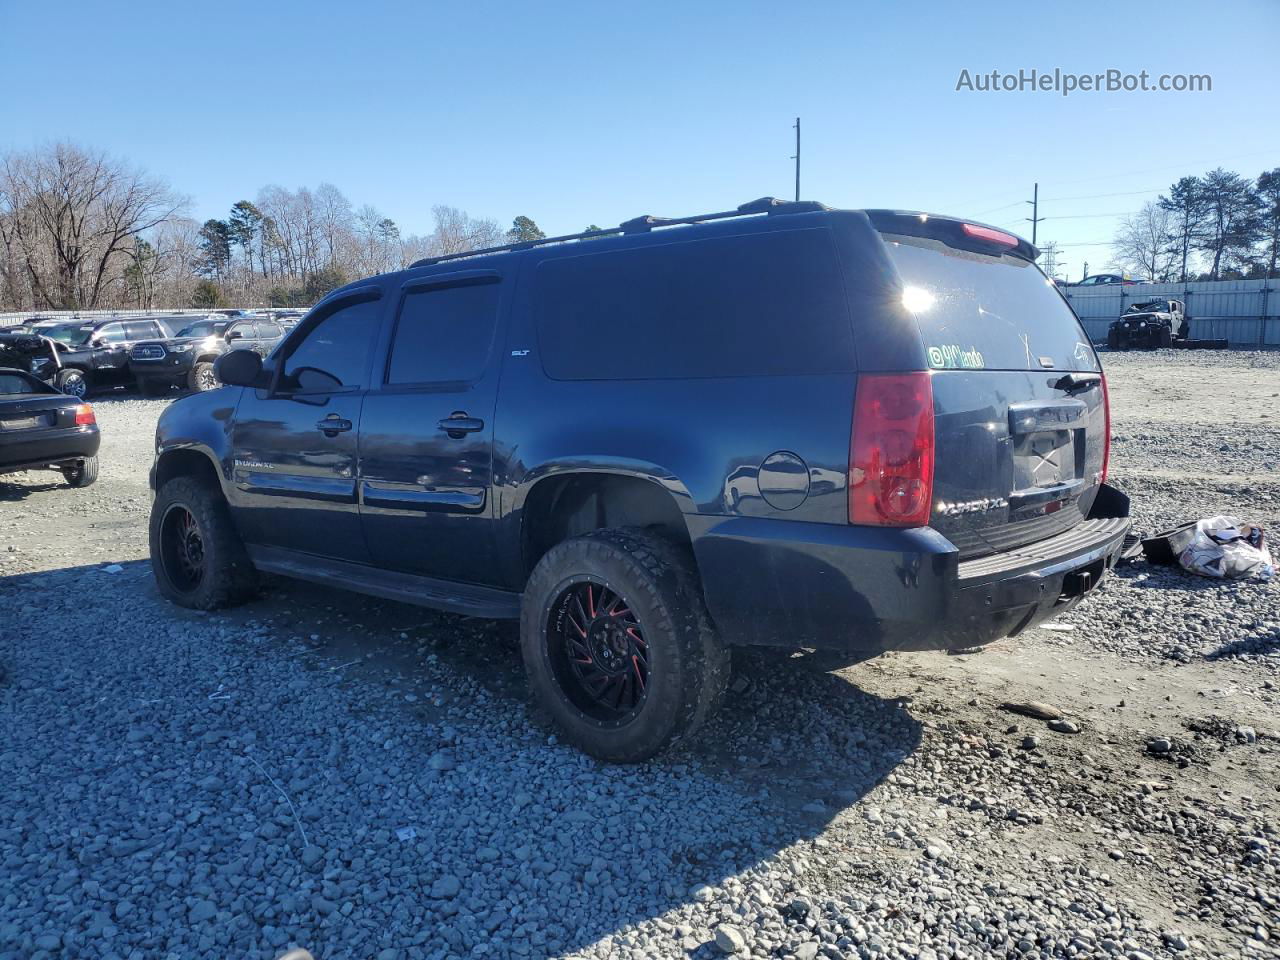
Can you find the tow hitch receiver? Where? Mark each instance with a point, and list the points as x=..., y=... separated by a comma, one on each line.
x=1079, y=582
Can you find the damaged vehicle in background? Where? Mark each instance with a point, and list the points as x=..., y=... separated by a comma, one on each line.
x=33, y=353
x=1148, y=325
x=94, y=354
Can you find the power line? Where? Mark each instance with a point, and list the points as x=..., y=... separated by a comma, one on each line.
x=1177, y=166
x=1098, y=196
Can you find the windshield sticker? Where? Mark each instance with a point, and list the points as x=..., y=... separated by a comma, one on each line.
x=952, y=356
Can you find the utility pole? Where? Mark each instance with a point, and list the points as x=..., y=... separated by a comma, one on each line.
x=796, y=158
x=1035, y=217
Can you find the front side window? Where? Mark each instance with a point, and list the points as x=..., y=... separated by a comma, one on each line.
x=335, y=352
x=112, y=333
x=444, y=334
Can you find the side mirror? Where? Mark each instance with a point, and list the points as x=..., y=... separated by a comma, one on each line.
x=234, y=335
x=241, y=368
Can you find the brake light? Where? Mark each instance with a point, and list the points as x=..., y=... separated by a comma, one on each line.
x=991, y=236
x=84, y=415
x=891, y=451
x=1106, y=429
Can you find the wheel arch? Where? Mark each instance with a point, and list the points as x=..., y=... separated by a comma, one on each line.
x=560, y=504
x=186, y=461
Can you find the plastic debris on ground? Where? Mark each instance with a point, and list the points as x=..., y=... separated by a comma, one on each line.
x=1223, y=548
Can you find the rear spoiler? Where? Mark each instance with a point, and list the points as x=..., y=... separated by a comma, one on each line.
x=961, y=234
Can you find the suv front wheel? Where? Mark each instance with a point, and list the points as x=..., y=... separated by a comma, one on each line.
x=618, y=645
x=196, y=555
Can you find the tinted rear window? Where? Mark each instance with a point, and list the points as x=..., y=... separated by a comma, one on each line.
x=982, y=312
x=767, y=304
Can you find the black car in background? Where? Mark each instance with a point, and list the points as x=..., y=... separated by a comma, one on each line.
x=44, y=429
x=94, y=354
x=186, y=360
x=783, y=425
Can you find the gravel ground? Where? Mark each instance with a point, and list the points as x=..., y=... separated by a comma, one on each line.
x=366, y=779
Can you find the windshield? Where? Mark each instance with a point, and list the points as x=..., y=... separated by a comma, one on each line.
x=205, y=328
x=981, y=312
x=72, y=334
x=1150, y=305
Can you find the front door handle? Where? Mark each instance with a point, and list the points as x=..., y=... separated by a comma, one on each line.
x=459, y=425
x=333, y=425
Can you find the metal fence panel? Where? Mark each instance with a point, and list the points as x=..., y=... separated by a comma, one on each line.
x=1244, y=312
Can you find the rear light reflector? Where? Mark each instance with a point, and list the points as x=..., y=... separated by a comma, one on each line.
x=84, y=415
x=991, y=236
x=891, y=451
x=1106, y=429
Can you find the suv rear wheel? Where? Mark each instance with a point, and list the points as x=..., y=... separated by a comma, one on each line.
x=196, y=555
x=618, y=645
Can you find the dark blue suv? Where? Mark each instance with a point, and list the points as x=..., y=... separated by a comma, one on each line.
x=849, y=431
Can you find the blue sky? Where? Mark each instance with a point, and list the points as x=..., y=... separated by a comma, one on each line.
x=596, y=112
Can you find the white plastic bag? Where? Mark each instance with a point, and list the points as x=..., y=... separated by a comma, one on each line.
x=1223, y=547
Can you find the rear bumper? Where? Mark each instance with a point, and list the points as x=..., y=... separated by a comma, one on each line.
x=865, y=590
x=40, y=448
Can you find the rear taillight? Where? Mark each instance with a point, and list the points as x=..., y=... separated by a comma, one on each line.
x=1106, y=429
x=891, y=450
x=84, y=415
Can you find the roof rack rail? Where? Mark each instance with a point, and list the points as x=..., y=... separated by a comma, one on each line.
x=766, y=205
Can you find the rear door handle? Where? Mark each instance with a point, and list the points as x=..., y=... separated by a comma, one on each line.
x=459, y=425
x=333, y=425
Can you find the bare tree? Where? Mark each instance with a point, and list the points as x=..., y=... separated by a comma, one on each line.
x=457, y=232
x=70, y=217
x=1145, y=242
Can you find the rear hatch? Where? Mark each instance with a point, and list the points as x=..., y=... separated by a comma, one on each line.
x=1019, y=402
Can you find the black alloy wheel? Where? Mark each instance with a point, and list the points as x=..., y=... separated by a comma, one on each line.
x=598, y=651
x=182, y=548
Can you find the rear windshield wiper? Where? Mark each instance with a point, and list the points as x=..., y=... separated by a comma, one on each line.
x=1077, y=382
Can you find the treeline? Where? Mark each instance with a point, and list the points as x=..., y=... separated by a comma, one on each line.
x=1221, y=226
x=81, y=230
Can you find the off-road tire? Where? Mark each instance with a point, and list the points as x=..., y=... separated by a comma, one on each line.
x=1113, y=340
x=83, y=474
x=70, y=375
x=689, y=662
x=228, y=578
x=197, y=379
x=1165, y=338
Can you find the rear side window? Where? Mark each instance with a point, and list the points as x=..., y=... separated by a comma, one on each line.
x=444, y=334
x=768, y=304
x=12, y=384
x=982, y=312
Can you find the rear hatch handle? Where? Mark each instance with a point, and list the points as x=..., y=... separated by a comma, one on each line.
x=1074, y=383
